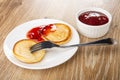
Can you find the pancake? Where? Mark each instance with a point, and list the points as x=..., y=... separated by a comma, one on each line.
x=21, y=51
x=61, y=35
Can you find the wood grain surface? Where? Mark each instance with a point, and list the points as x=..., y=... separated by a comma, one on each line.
x=89, y=63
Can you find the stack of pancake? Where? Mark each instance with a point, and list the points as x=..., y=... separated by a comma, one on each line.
x=21, y=49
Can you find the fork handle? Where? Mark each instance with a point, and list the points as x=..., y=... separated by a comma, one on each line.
x=107, y=41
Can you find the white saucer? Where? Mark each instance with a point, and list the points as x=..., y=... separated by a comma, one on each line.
x=53, y=57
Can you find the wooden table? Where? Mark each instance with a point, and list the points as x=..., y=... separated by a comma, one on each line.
x=89, y=63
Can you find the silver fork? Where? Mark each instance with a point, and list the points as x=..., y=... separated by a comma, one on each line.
x=49, y=44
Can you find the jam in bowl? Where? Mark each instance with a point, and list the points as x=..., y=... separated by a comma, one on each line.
x=93, y=22
x=93, y=18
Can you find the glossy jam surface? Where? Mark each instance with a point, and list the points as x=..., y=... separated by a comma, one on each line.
x=37, y=32
x=93, y=18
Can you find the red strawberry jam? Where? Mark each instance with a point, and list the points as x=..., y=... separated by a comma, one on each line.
x=37, y=32
x=47, y=29
x=93, y=18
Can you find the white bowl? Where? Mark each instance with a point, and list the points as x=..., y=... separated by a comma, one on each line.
x=93, y=31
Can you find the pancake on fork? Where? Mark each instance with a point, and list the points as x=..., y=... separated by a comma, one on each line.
x=21, y=51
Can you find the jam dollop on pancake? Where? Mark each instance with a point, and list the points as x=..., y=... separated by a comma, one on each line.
x=58, y=33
